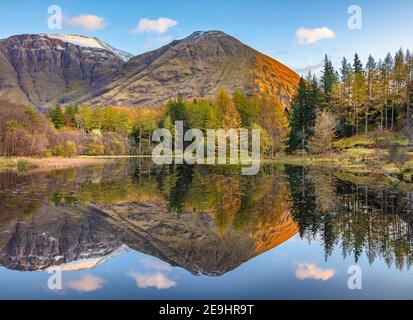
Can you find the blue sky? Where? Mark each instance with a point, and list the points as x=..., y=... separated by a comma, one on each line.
x=269, y=26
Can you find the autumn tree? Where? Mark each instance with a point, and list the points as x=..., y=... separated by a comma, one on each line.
x=246, y=108
x=370, y=75
x=358, y=89
x=273, y=120
x=324, y=133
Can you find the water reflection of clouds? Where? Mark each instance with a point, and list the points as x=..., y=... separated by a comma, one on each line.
x=156, y=280
x=154, y=264
x=306, y=271
x=88, y=283
x=155, y=275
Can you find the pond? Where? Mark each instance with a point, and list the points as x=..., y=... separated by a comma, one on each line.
x=134, y=230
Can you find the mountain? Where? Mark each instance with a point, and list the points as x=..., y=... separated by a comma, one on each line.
x=191, y=240
x=55, y=236
x=196, y=67
x=42, y=69
x=88, y=42
x=81, y=238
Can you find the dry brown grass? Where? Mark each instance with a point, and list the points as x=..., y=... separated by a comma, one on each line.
x=50, y=164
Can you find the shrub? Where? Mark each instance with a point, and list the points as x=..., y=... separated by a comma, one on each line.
x=94, y=148
x=114, y=144
x=23, y=165
x=70, y=149
x=23, y=131
x=59, y=151
x=397, y=155
x=47, y=153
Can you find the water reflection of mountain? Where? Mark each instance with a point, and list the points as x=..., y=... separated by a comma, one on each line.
x=87, y=215
x=205, y=220
x=190, y=240
x=53, y=236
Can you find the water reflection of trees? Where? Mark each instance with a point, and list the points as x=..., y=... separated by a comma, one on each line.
x=237, y=203
x=370, y=219
x=251, y=204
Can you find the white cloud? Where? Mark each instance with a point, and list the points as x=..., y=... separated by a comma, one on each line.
x=158, y=41
x=154, y=264
x=88, y=283
x=311, y=36
x=311, y=271
x=306, y=69
x=156, y=280
x=89, y=22
x=160, y=25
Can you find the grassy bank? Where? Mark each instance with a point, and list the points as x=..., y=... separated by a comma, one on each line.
x=364, y=153
x=24, y=164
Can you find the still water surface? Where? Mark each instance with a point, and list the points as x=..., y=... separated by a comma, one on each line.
x=133, y=230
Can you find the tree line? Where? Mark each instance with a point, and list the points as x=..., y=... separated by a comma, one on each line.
x=355, y=99
x=356, y=219
x=116, y=130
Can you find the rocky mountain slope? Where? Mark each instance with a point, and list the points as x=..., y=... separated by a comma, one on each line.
x=55, y=236
x=42, y=69
x=190, y=240
x=75, y=238
x=196, y=67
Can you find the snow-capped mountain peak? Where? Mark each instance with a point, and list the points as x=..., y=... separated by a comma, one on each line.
x=89, y=42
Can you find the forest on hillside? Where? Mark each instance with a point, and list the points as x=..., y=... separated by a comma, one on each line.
x=356, y=99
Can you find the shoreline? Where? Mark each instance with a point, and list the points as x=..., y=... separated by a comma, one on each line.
x=332, y=161
x=48, y=164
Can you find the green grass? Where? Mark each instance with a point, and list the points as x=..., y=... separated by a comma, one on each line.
x=6, y=164
x=23, y=166
x=354, y=141
x=20, y=165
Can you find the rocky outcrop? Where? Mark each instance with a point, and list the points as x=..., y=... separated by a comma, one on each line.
x=43, y=70
x=54, y=236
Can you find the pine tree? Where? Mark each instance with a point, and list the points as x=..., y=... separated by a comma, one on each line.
x=400, y=80
x=176, y=109
x=342, y=96
x=357, y=65
x=386, y=71
x=345, y=70
x=370, y=69
x=409, y=88
x=358, y=88
x=302, y=115
x=328, y=79
x=409, y=66
x=56, y=116
x=246, y=108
